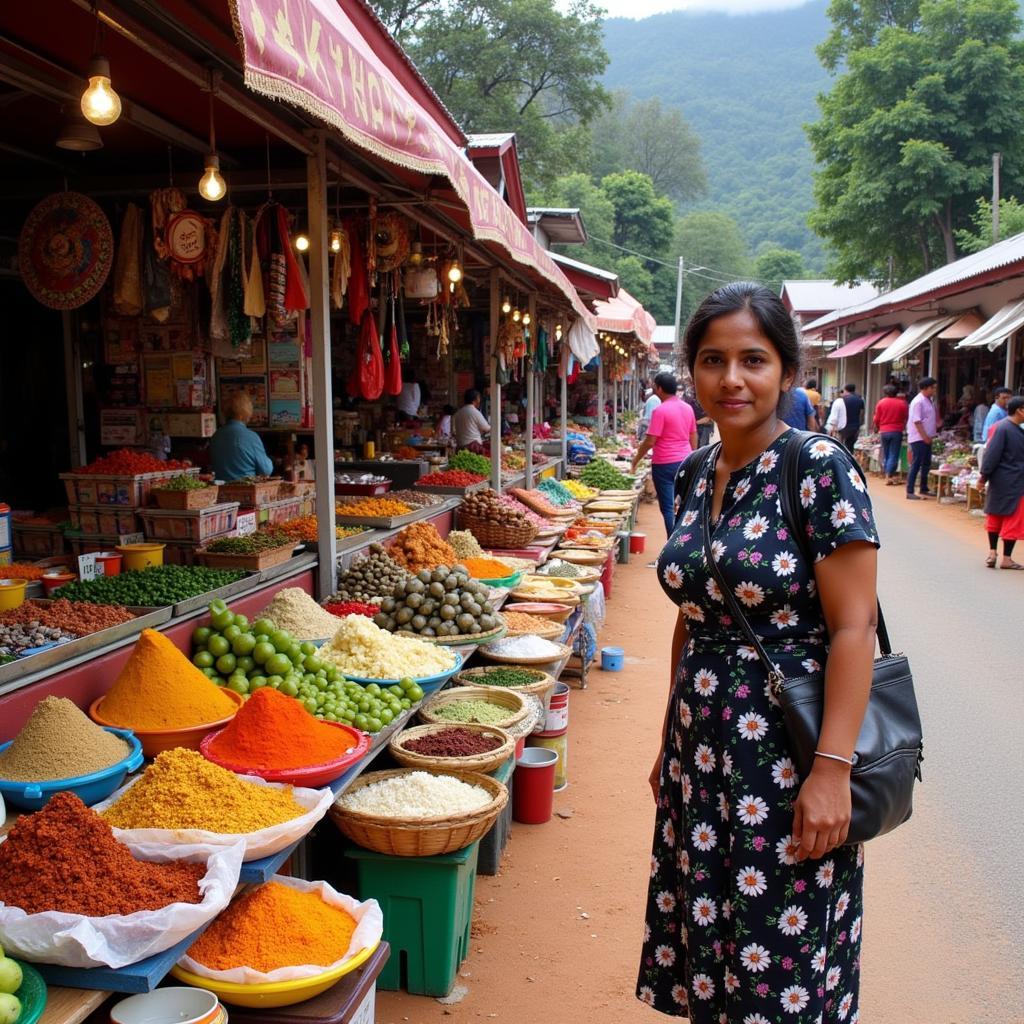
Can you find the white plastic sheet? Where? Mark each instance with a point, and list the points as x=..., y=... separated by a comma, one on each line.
x=263, y=843
x=369, y=930
x=117, y=940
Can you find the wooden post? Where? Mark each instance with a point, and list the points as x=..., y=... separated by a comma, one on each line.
x=73, y=392
x=564, y=406
x=320, y=321
x=495, y=410
x=600, y=395
x=531, y=399
x=1011, y=360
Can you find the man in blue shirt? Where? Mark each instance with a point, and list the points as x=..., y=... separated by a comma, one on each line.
x=997, y=412
x=235, y=450
x=652, y=403
x=799, y=412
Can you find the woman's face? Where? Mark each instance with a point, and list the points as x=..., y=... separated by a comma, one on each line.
x=738, y=374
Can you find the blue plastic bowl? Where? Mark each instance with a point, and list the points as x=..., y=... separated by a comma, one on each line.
x=428, y=684
x=90, y=789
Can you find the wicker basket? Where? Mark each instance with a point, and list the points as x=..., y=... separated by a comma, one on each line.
x=546, y=595
x=185, y=500
x=497, y=535
x=474, y=677
x=580, y=556
x=425, y=837
x=558, y=611
x=518, y=659
x=493, y=695
x=484, y=763
x=252, y=562
x=549, y=631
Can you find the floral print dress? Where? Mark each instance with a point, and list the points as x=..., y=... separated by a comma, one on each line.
x=738, y=932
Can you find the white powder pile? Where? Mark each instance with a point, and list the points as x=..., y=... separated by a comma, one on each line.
x=295, y=611
x=416, y=795
x=526, y=646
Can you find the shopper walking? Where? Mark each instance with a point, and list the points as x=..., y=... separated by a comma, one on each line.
x=978, y=418
x=651, y=403
x=854, y=416
x=814, y=397
x=671, y=436
x=996, y=412
x=755, y=905
x=921, y=425
x=798, y=411
x=890, y=420
x=1002, y=475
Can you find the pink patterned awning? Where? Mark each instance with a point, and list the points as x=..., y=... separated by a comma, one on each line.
x=624, y=315
x=312, y=54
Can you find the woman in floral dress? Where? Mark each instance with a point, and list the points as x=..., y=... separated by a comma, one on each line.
x=754, y=912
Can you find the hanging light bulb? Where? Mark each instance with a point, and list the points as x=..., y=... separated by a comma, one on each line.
x=454, y=272
x=100, y=104
x=211, y=185
x=506, y=306
x=335, y=239
x=558, y=332
x=302, y=242
x=526, y=319
x=516, y=315
x=415, y=254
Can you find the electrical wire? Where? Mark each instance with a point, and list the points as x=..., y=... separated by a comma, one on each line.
x=713, y=275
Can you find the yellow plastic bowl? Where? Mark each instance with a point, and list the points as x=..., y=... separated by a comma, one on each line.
x=142, y=556
x=156, y=741
x=274, y=993
x=12, y=594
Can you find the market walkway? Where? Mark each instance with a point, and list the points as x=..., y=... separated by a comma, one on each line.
x=556, y=935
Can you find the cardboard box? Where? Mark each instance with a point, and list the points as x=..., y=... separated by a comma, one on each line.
x=190, y=424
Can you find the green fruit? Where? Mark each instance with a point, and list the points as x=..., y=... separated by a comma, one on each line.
x=243, y=644
x=226, y=664
x=202, y=659
x=221, y=620
x=262, y=652
x=10, y=1008
x=387, y=716
x=307, y=647
x=242, y=622
x=289, y=688
x=374, y=724
x=210, y=672
x=415, y=692
x=274, y=682
x=218, y=645
x=277, y=664
x=263, y=627
x=10, y=975
x=246, y=664
x=239, y=684
x=200, y=635
x=231, y=631
x=312, y=663
x=258, y=681
x=280, y=639
x=361, y=722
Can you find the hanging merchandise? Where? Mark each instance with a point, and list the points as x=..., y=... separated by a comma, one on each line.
x=65, y=250
x=393, y=361
x=582, y=342
x=367, y=377
x=233, y=284
x=540, y=356
x=358, y=282
x=156, y=277
x=391, y=241
x=127, y=297
x=255, y=304
x=282, y=280
x=180, y=235
x=403, y=334
x=341, y=268
x=218, y=316
x=422, y=283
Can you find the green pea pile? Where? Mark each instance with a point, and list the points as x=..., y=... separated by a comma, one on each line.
x=250, y=544
x=471, y=463
x=157, y=586
x=508, y=677
x=600, y=473
x=184, y=483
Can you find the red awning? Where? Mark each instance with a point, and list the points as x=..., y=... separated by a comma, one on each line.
x=851, y=348
x=313, y=54
x=624, y=315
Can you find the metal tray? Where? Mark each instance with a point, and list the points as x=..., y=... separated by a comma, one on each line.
x=459, y=492
x=394, y=522
x=192, y=604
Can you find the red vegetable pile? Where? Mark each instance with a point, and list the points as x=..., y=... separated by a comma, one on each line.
x=125, y=462
x=450, y=478
x=340, y=608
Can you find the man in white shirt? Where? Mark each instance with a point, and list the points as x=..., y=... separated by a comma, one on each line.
x=836, y=423
x=409, y=399
x=469, y=424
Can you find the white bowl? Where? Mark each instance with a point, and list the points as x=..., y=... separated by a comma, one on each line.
x=178, y=1005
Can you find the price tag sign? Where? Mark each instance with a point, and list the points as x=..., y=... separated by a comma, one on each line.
x=132, y=538
x=87, y=567
x=245, y=524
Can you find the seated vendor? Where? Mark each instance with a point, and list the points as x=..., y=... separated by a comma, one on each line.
x=235, y=450
x=469, y=424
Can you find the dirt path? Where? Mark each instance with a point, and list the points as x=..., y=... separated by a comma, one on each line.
x=557, y=933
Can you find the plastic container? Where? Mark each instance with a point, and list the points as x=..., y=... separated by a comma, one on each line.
x=167, y=1006
x=90, y=789
x=31, y=994
x=195, y=525
x=556, y=719
x=612, y=659
x=493, y=844
x=5, y=525
x=12, y=594
x=141, y=556
x=110, y=562
x=6, y=556
x=533, y=795
x=428, y=684
x=55, y=580
x=559, y=743
x=637, y=543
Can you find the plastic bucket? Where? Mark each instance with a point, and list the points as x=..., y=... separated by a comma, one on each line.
x=55, y=580
x=637, y=543
x=557, y=717
x=623, y=537
x=142, y=556
x=520, y=745
x=533, y=788
x=612, y=659
x=559, y=743
x=110, y=562
x=606, y=576
x=12, y=594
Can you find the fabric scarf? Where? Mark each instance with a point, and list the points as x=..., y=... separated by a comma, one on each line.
x=358, y=282
x=127, y=300
x=233, y=286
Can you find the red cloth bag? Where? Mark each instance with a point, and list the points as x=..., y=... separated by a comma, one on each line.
x=367, y=377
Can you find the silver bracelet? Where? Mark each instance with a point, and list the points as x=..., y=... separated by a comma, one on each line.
x=835, y=757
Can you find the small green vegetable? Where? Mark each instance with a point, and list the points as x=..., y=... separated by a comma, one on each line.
x=183, y=483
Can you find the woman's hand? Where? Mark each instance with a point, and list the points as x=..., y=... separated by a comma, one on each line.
x=655, y=777
x=821, y=814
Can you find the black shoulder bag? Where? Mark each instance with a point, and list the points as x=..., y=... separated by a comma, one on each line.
x=889, y=749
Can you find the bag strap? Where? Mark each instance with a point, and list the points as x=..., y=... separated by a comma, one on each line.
x=694, y=466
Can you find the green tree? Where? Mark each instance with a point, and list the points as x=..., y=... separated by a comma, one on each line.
x=713, y=250
x=857, y=24
x=523, y=66
x=1011, y=222
x=905, y=138
x=643, y=220
x=773, y=265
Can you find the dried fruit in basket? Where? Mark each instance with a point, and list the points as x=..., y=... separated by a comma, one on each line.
x=420, y=546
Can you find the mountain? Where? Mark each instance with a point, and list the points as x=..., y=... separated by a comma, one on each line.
x=747, y=84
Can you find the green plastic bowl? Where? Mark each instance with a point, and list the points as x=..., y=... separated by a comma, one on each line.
x=32, y=994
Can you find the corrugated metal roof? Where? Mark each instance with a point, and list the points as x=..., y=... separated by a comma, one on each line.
x=813, y=295
x=490, y=140
x=1002, y=254
x=664, y=336
x=607, y=275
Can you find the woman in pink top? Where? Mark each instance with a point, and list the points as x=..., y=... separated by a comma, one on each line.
x=890, y=421
x=672, y=435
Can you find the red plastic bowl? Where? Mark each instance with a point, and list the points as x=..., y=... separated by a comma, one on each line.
x=312, y=776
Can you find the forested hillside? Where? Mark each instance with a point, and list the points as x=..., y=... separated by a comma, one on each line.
x=747, y=85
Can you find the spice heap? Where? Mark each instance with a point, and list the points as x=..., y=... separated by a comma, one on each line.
x=370, y=578
x=420, y=546
x=294, y=610
x=415, y=795
x=59, y=742
x=565, y=570
x=274, y=732
x=510, y=677
x=274, y=926
x=65, y=858
x=15, y=639
x=372, y=508
x=406, y=451
x=527, y=513
x=451, y=478
x=556, y=492
x=304, y=528
x=75, y=617
x=360, y=648
x=523, y=622
x=605, y=477
x=157, y=586
x=125, y=462
x=580, y=491
x=343, y=608
x=159, y=688
x=486, y=568
x=483, y=712
x=527, y=646
x=454, y=742
x=465, y=545
x=442, y=603
x=182, y=790
x=22, y=571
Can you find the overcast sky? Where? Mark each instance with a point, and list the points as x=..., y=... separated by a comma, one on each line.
x=644, y=8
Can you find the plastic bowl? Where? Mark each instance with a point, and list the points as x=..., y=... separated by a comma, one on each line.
x=545, y=609
x=275, y=993
x=12, y=593
x=141, y=556
x=156, y=741
x=312, y=776
x=90, y=789
x=428, y=684
x=55, y=580
x=31, y=994
x=504, y=581
x=171, y=1005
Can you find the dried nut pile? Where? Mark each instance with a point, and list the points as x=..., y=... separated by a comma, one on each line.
x=465, y=545
x=442, y=603
x=420, y=546
x=76, y=617
x=488, y=505
x=370, y=578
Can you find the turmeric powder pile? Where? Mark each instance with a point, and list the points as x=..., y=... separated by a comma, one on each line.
x=182, y=790
x=273, y=926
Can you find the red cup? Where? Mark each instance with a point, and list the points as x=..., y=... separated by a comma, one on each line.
x=533, y=788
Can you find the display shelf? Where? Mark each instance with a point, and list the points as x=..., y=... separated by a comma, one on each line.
x=200, y=601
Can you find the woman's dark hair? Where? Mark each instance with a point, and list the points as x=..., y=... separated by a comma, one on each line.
x=667, y=382
x=889, y=391
x=766, y=308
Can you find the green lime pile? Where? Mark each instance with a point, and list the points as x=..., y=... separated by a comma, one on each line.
x=183, y=483
x=157, y=586
x=605, y=477
x=250, y=544
x=246, y=656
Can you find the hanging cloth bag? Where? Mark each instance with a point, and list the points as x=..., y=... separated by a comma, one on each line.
x=367, y=377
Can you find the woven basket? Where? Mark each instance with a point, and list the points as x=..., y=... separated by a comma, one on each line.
x=474, y=677
x=580, y=556
x=549, y=631
x=497, y=535
x=547, y=596
x=189, y=500
x=493, y=695
x=518, y=659
x=484, y=763
x=426, y=837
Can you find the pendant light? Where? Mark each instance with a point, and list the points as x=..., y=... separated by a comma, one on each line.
x=211, y=185
x=336, y=239
x=77, y=134
x=100, y=104
x=506, y=306
x=302, y=242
